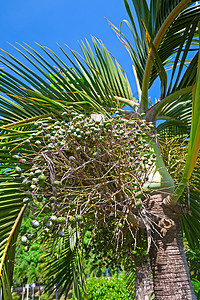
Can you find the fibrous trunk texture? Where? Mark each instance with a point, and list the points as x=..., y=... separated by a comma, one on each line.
x=143, y=281
x=171, y=277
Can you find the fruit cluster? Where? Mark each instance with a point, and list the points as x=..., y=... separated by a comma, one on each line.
x=86, y=169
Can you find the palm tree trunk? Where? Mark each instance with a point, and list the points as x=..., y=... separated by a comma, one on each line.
x=143, y=281
x=171, y=277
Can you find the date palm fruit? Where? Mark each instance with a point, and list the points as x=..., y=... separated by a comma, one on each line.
x=31, y=236
x=18, y=169
x=138, y=194
x=61, y=233
x=33, y=186
x=61, y=220
x=26, y=200
x=25, y=182
x=138, y=204
x=56, y=183
x=79, y=218
x=72, y=219
x=38, y=171
x=22, y=160
x=120, y=225
x=26, y=248
x=24, y=239
x=35, y=180
x=48, y=224
x=53, y=218
x=42, y=178
x=52, y=199
x=15, y=156
x=35, y=224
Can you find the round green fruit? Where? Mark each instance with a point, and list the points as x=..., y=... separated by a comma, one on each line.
x=72, y=204
x=42, y=177
x=33, y=186
x=15, y=156
x=38, y=171
x=72, y=219
x=61, y=220
x=61, y=233
x=26, y=248
x=53, y=219
x=18, y=169
x=56, y=183
x=138, y=204
x=79, y=218
x=138, y=195
x=26, y=200
x=120, y=225
x=52, y=199
x=24, y=239
x=35, y=224
x=48, y=224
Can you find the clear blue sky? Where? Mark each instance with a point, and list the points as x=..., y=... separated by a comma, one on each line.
x=65, y=22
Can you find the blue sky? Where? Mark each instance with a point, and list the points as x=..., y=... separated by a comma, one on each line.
x=65, y=22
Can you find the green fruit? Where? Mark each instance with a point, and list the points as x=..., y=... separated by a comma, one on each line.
x=146, y=191
x=42, y=177
x=95, y=154
x=48, y=224
x=35, y=180
x=26, y=200
x=72, y=219
x=120, y=225
x=15, y=156
x=138, y=204
x=25, y=182
x=72, y=204
x=79, y=218
x=22, y=160
x=61, y=233
x=26, y=248
x=24, y=239
x=35, y=224
x=61, y=220
x=31, y=236
x=138, y=195
x=38, y=171
x=53, y=218
x=56, y=183
x=52, y=199
x=18, y=169
x=33, y=186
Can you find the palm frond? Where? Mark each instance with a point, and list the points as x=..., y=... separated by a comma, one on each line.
x=178, y=39
x=62, y=267
x=94, y=82
x=11, y=212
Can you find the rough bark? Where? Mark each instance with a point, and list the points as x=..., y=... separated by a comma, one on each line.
x=171, y=277
x=143, y=281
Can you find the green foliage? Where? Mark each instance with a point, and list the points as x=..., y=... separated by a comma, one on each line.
x=46, y=296
x=27, y=264
x=102, y=288
x=196, y=285
x=16, y=297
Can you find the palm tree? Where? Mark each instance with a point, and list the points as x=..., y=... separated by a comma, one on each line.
x=95, y=83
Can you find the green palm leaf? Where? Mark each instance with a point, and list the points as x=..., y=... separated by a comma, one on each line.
x=62, y=267
x=90, y=84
